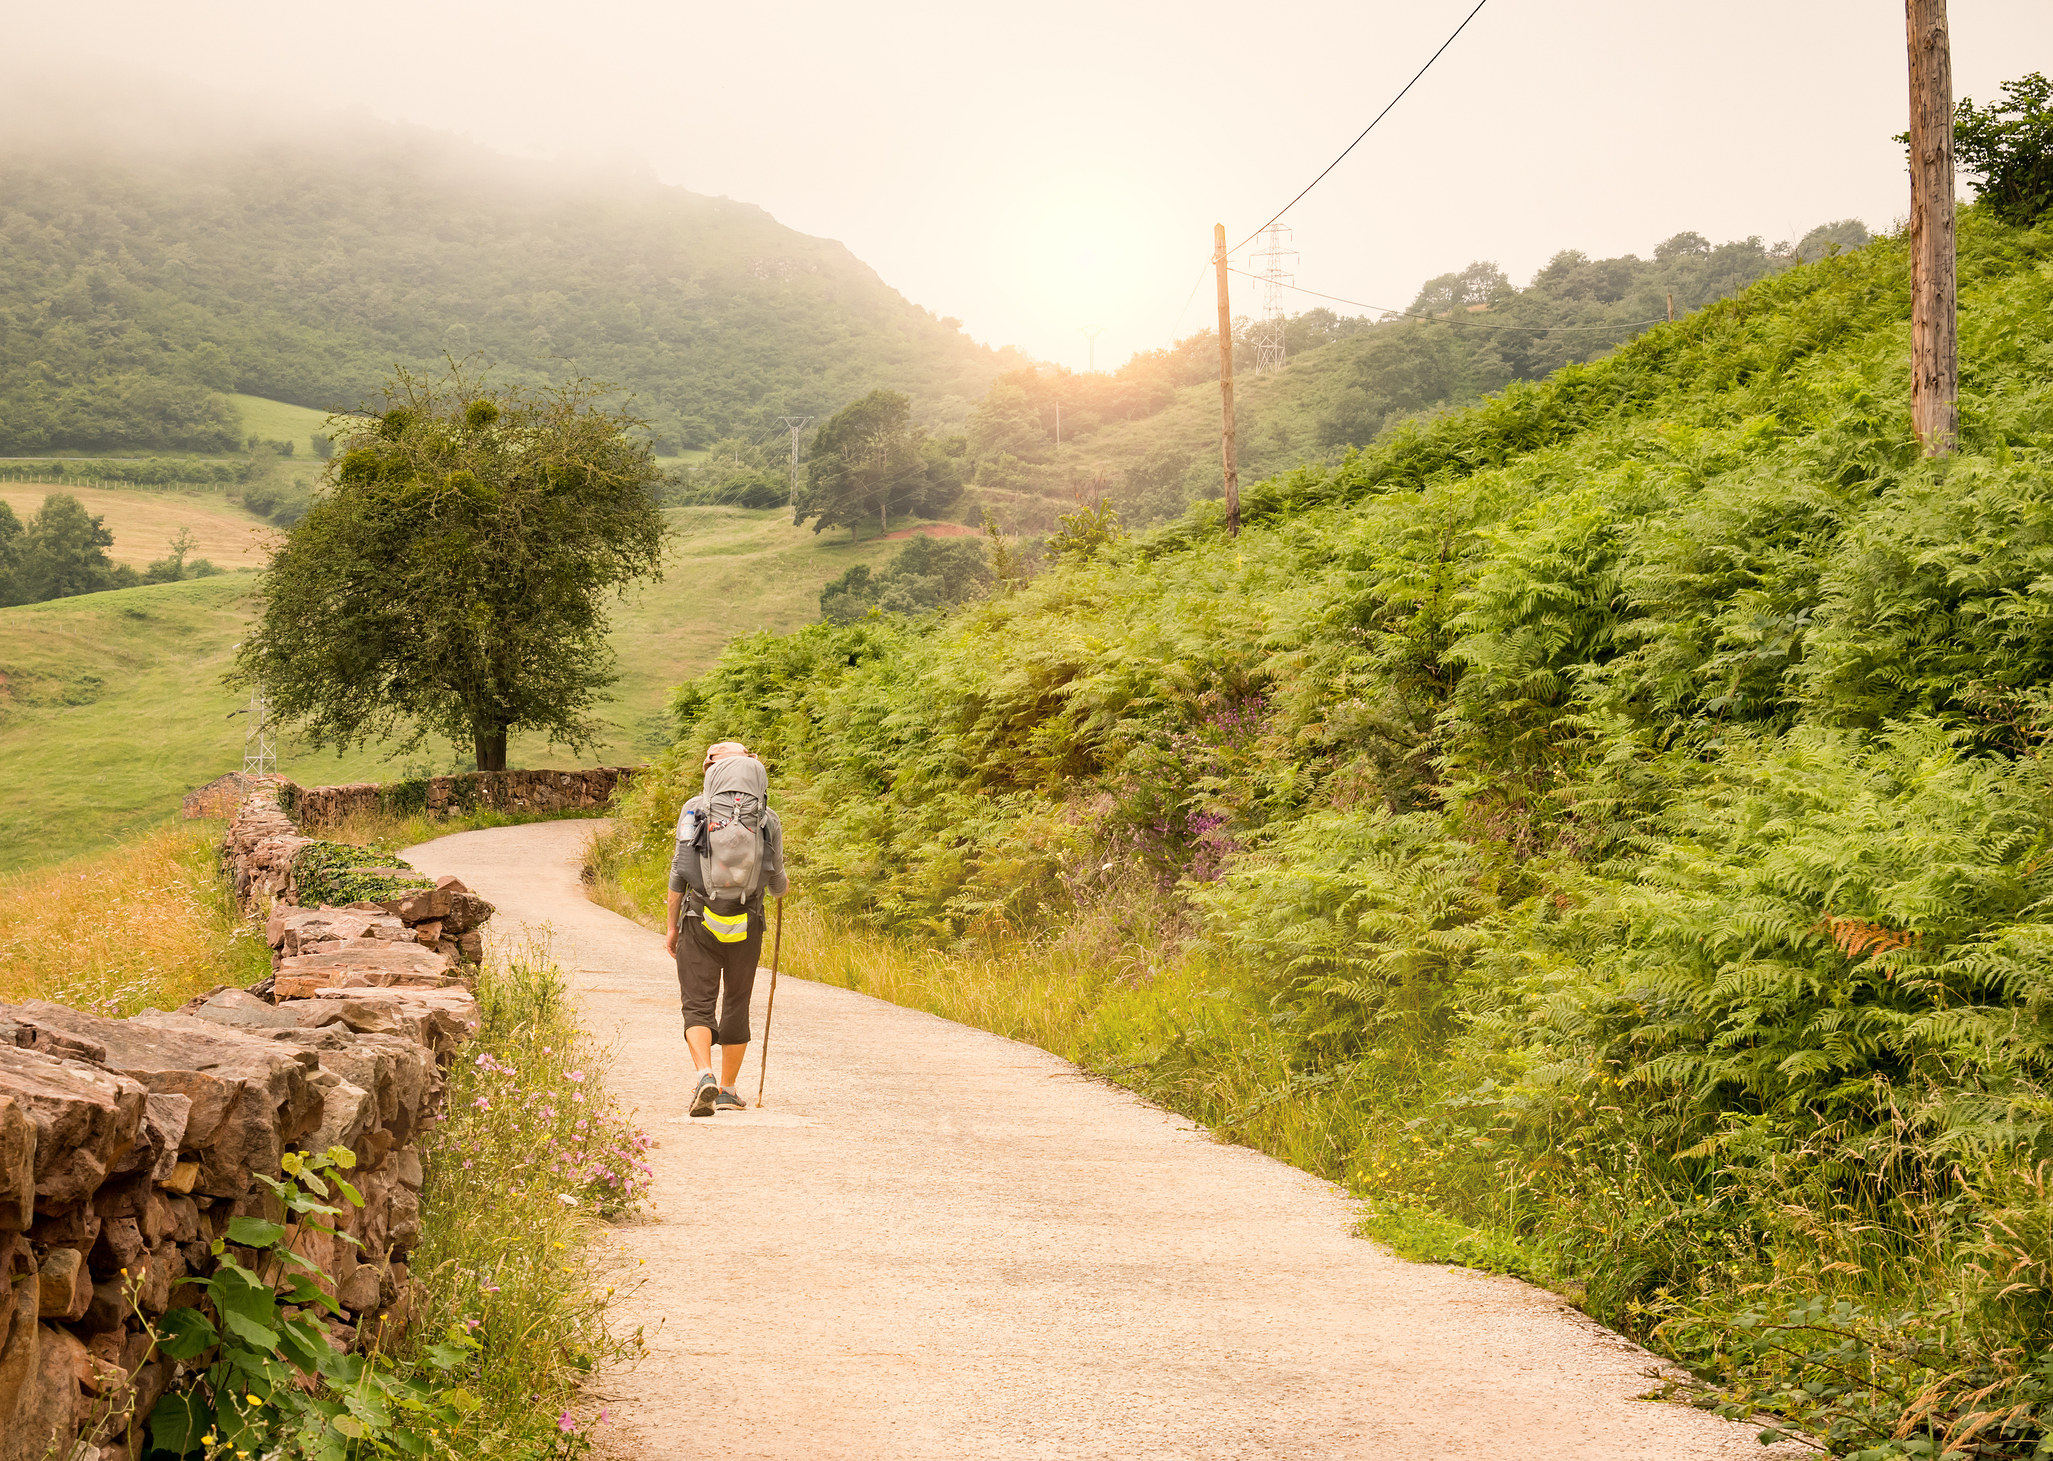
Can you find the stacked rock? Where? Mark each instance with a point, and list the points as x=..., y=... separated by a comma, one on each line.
x=506, y=791
x=446, y=919
x=127, y=1146
x=262, y=843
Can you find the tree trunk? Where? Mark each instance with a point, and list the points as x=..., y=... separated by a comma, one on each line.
x=884, y=516
x=491, y=748
x=1229, y=458
x=1934, y=329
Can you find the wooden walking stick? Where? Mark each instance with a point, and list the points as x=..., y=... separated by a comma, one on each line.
x=776, y=948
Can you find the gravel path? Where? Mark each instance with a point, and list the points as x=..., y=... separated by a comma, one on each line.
x=933, y=1242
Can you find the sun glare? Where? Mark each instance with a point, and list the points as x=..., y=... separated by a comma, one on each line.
x=1090, y=258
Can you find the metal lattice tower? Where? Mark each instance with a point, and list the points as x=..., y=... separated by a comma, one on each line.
x=259, y=750
x=1273, y=265
x=795, y=424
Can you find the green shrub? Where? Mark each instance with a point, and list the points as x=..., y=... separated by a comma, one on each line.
x=2010, y=146
x=404, y=798
x=331, y=874
x=277, y=1385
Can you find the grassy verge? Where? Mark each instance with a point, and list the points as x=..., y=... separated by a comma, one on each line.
x=149, y=922
x=522, y=1179
x=1173, y=1024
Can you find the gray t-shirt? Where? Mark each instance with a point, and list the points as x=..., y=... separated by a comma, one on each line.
x=685, y=875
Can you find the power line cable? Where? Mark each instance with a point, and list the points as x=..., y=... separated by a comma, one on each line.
x=1327, y=169
x=1366, y=130
x=1188, y=298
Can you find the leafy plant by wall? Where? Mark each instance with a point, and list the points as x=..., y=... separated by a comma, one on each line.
x=336, y=874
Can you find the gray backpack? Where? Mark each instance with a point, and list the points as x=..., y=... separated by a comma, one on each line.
x=730, y=831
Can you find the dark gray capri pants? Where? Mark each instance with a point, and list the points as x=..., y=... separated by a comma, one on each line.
x=706, y=967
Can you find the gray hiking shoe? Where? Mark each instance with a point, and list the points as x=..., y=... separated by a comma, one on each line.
x=707, y=1093
x=728, y=1101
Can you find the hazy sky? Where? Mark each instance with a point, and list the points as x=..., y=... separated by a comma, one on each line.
x=1034, y=169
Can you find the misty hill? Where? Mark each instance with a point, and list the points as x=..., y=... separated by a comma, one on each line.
x=1147, y=434
x=141, y=281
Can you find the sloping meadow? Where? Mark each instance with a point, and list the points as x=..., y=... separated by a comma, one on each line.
x=1614, y=821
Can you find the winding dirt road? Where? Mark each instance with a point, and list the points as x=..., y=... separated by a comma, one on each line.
x=933, y=1242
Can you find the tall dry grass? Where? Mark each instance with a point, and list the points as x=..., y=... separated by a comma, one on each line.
x=146, y=923
x=1038, y=996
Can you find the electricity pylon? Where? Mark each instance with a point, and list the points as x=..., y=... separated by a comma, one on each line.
x=1268, y=265
x=1091, y=333
x=796, y=425
x=259, y=750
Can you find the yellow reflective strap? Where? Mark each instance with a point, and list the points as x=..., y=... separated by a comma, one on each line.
x=729, y=929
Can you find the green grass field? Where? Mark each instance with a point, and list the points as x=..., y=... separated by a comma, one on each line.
x=276, y=421
x=144, y=522
x=111, y=705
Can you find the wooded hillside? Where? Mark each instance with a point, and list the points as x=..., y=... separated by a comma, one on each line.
x=139, y=285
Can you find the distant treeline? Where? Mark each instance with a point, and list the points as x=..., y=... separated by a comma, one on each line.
x=1145, y=435
x=149, y=472
x=1142, y=436
x=62, y=551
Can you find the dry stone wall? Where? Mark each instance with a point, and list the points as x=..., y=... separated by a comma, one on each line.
x=263, y=851
x=536, y=792
x=127, y=1145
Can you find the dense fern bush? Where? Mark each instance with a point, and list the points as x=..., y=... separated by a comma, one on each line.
x=1628, y=798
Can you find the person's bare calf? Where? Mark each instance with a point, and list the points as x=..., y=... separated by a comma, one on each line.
x=699, y=1040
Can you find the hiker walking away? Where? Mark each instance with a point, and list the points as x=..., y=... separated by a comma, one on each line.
x=730, y=851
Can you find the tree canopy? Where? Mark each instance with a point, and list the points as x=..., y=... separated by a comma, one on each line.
x=928, y=573
x=452, y=581
x=871, y=460
x=2008, y=146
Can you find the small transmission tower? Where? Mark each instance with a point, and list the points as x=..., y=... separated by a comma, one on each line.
x=1273, y=265
x=795, y=424
x=259, y=750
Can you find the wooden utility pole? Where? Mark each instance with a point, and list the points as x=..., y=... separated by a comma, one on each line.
x=1226, y=385
x=1934, y=322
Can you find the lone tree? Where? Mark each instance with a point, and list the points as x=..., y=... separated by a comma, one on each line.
x=870, y=460
x=451, y=579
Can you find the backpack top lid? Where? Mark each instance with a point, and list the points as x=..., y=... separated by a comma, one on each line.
x=737, y=773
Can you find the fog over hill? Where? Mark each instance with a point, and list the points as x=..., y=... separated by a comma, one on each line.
x=175, y=248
